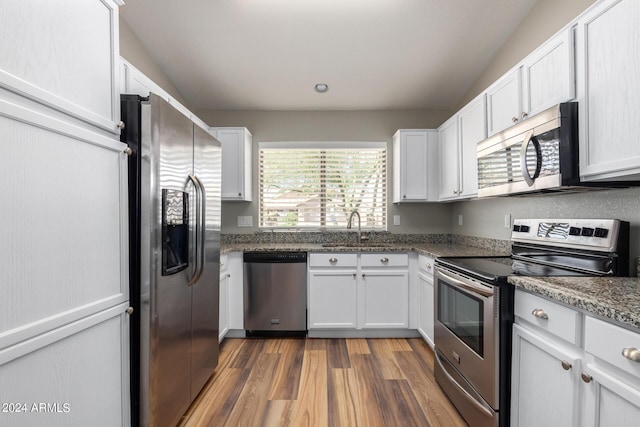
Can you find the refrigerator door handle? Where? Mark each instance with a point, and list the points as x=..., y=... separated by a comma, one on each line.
x=198, y=268
x=203, y=224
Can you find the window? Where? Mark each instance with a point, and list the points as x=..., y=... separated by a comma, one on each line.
x=317, y=185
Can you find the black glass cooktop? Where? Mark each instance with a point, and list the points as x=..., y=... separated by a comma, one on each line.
x=487, y=268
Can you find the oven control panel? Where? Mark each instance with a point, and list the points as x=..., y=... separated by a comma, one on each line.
x=592, y=234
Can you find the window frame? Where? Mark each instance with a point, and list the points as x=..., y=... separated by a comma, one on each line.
x=328, y=145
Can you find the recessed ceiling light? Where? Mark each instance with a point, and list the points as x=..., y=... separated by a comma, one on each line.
x=321, y=87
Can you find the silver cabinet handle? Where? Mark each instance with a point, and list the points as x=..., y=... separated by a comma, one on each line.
x=566, y=365
x=384, y=260
x=428, y=266
x=586, y=377
x=128, y=151
x=120, y=125
x=333, y=260
x=524, y=115
x=130, y=310
x=514, y=119
x=539, y=313
x=631, y=353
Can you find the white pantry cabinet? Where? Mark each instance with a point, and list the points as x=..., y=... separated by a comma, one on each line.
x=575, y=383
x=415, y=165
x=608, y=66
x=543, y=79
x=426, y=295
x=458, y=139
x=64, y=55
x=236, y=162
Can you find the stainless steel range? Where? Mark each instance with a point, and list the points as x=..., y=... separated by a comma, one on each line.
x=474, y=304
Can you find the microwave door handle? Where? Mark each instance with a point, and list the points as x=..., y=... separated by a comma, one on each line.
x=196, y=258
x=530, y=138
x=466, y=286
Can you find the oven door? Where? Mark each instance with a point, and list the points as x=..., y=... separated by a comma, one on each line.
x=467, y=330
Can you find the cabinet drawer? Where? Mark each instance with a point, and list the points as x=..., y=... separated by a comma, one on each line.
x=333, y=260
x=607, y=342
x=384, y=260
x=554, y=318
x=426, y=264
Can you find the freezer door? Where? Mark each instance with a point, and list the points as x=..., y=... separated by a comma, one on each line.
x=167, y=350
x=205, y=304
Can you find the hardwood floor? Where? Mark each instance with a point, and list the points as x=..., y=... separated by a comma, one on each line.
x=323, y=382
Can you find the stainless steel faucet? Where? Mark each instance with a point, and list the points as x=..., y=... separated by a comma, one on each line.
x=355, y=212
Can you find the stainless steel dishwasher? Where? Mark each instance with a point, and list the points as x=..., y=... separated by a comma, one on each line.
x=275, y=293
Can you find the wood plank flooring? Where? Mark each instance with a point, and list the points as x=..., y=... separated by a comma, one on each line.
x=323, y=382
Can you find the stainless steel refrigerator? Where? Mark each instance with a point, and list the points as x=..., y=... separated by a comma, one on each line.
x=174, y=196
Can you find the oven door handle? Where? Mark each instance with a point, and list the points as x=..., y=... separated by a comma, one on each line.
x=465, y=285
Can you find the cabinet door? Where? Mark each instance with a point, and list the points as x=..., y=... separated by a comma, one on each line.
x=64, y=55
x=548, y=74
x=332, y=299
x=608, y=64
x=235, y=313
x=426, y=320
x=414, y=165
x=504, y=102
x=236, y=163
x=609, y=401
x=449, y=154
x=473, y=128
x=385, y=300
x=223, y=327
x=543, y=392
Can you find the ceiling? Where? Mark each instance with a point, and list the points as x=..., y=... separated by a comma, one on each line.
x=373, y=54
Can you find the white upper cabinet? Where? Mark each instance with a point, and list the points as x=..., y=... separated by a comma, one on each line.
x=608, y=82
x=543, y=79
x=504, y=102
x=458, y=139
x=415, y=165
x=236, y=163
x=71, y=64
x=548, y=74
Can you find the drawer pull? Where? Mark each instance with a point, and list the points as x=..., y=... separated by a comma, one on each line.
x=631, y=353
x=586, y=378
x=566, y=365
x=384, y=260
x=333, y=260
x=428, y=266
x=539, y=313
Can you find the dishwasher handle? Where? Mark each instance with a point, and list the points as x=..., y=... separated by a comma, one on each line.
x=275, y=257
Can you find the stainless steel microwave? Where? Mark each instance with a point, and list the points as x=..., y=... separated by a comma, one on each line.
x=537, y=155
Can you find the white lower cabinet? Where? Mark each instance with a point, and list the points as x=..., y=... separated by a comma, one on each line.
x=223, y=325
x=555, y=382
x=332, y=299
x=426, y=317
x=385, y=299
x=358, y=291
x=544, y=383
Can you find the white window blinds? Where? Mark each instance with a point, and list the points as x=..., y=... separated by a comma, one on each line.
x=318, y=185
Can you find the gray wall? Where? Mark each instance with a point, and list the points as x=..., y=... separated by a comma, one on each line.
x=334, y=126
x=134, y=51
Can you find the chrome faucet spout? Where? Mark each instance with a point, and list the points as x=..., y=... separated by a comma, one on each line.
x=355, y=212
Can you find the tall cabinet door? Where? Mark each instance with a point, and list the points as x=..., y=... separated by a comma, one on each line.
x=207, y=161
x=448, y=143
x=504, y=102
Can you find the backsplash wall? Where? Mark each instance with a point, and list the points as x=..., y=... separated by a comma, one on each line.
x=485, y=218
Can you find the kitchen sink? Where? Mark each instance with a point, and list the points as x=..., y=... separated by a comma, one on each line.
x=358, y=245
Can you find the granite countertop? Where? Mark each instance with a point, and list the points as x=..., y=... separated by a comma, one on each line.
x=428, y=249
x=611, y=298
